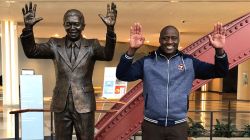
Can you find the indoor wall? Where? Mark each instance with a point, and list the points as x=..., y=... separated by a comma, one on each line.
x=243, y=92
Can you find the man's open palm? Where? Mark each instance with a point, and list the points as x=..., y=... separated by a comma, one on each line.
x=218, y=38
x=136, y=38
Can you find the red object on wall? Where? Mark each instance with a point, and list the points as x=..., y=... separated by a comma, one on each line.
x=120, y=89
x=122, y=124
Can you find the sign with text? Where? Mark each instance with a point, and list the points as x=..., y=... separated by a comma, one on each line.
x=112, y=87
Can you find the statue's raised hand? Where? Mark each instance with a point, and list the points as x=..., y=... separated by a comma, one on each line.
x=29, y=15
x=110, y=18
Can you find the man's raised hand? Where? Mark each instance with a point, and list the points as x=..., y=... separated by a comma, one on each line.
x=218, y=38
x=136, y=38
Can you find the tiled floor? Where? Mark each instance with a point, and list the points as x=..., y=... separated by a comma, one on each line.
x=217, y=102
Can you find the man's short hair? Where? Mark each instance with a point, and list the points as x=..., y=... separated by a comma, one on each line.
x=169, y=27
x=72, y=12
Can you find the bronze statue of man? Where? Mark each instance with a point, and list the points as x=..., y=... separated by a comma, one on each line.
x=74, y=56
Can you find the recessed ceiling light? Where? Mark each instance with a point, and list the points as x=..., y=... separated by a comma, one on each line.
x=174, y=1
x=10, y=1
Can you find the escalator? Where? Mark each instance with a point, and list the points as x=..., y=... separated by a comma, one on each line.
x=121, y=125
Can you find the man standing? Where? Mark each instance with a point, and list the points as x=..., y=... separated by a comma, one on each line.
x=73, y=101
x=167, y=76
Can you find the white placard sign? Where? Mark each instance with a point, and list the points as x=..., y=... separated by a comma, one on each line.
x=112, y=87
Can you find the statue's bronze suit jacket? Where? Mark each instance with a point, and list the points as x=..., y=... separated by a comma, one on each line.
x=79, y=75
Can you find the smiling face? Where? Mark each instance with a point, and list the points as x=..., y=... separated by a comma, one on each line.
x=169, y=40
x=73, y=24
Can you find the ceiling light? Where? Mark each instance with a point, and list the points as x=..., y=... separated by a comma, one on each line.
x=10, y=1
x=174, y=1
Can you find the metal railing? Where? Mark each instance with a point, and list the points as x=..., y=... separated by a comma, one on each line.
x=17, y=112
x=229, y=111
x=212, y=118
x=211, y=121
x=20, y=111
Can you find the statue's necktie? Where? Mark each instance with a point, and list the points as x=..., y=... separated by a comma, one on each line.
x=73, y=57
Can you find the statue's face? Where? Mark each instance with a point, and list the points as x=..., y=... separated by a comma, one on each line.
x=73, y=26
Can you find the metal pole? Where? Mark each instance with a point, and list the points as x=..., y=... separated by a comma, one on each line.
x=228, y=121
x=52, y=125
x=16, y=126
x=211, y=125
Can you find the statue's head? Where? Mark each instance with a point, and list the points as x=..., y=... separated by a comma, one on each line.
x=73, y=22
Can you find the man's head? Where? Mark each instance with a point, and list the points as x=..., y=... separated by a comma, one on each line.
x=73, y=22
x=169, y=40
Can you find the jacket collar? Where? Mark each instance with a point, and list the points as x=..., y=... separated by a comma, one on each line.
x=158, y=52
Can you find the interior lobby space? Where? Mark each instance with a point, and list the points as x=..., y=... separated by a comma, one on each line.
x=222, y=103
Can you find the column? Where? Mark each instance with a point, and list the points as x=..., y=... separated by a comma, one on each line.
x=243, y=87
x=9, y=47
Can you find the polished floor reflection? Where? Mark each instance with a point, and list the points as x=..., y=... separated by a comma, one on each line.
x=219, y=104
x=205, y=101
